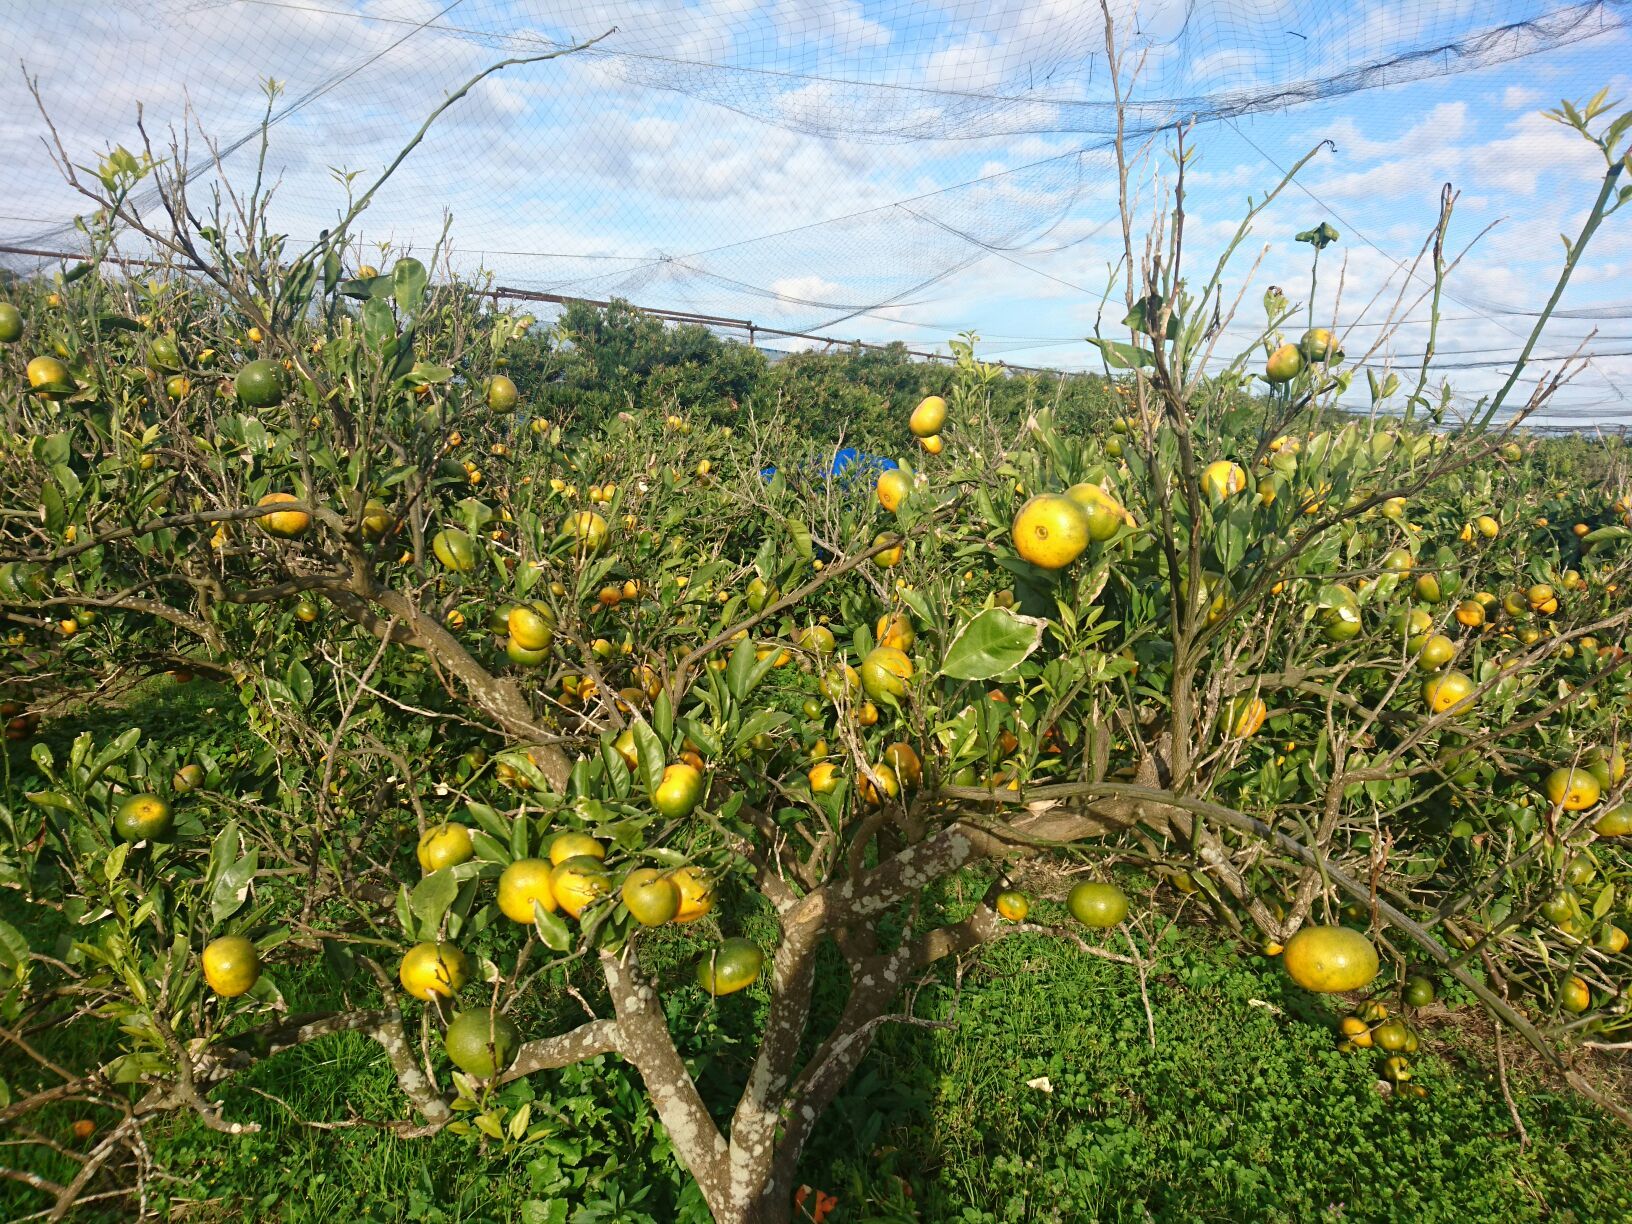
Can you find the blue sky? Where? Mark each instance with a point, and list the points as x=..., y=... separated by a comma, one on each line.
x=782, y=187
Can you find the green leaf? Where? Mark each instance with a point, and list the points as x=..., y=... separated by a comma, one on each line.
x=378, y=324
x=649, y=750
x=13, y=947
x=372, y=287
x=663, y=716
x=232, y=888
x=551, y=928
x=432, y=898
x=992, y=644
x=408, y=280
x=299, y=681
x=1122, y=356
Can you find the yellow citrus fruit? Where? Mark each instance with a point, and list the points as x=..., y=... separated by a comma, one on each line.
x=1575, y=790
x=877, y=784
x=48, y=374
x=928, y=418
x=231, y=965
x=1435, y=651
x=482, y=1042
x=1223, y=479
x=1574, y=996
x=1284, y=364
x=1050, y=531
x=285, y=524
x=11, y=323
x=1012, y=905
x=1470, y=614
x=678, y=791
x=892, y=488
x=1317, y=344
x=932, y=444
x=530, y=628
x=501, y=393
x=1617, y=822
x=895, y=631
x=824, y=778
x=587, y=529
x=818, y=638
x=579, y=882
x=572, y=845
x=651, y=896
x=1608, y=765
x=445, y=845
x=1097, y=905
x=521, y=884
x=1330, y=959
x=1245, y=715
x=1445, y=690
x=376, y=519
x=696, y=893
x=455, y=550
x=434, y=970
x=1105, y=514
x=885, y=672
x=841, y=679
x=731, y=967
x=1392, y=1035
x=143, y=818
x=188, y=777
x=902, y=758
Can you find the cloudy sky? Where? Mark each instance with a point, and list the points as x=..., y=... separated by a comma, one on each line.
x=892, y=170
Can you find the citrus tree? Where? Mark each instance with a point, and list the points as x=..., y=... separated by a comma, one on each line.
x=534, y=702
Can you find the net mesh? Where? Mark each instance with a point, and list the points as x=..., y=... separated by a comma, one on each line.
x=809, y=164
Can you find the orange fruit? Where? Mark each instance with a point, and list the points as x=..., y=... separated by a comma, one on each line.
x=1105, y=514
x=1284, y=364
x=143, y=817
x=678, y=791
x=521, y=884
x=260, y=384
x=928, y=417
x=696, y=893
x=572, y=845
x=587, y=529
x=892, y=488
x=445, y=845
x=1097, y=905
x=579, y=882
x=501, y=394
x=433, y=970
x=885, y=672
x=1330, y=959
x=651, y=896
x=1050, y=531
x=1223, y=479
x=285, y=524
x=1012, y=905
x=231, y=965
x=482, y=1042
x=1575, y=790
x=731, y=967
x=1445, y=690
x=904, y=761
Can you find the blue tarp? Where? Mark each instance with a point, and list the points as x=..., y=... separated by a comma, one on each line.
x=846, y=459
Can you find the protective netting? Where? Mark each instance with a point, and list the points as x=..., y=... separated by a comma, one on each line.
x=800, y=163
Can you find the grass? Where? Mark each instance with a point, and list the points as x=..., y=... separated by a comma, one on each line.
x=1241, y=1110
